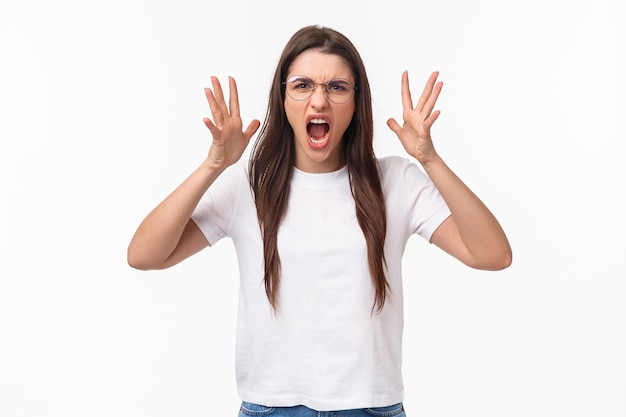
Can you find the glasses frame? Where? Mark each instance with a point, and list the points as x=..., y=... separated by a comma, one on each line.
x=325, y=85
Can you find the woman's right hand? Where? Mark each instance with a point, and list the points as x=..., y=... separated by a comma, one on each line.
x=168, y=235
x=229, y=140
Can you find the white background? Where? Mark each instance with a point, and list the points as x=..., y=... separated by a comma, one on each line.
x=101, y=107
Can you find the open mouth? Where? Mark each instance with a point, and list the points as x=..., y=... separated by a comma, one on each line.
x=317, y=130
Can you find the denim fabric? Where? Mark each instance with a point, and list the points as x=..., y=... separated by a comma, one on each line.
x=256, y=410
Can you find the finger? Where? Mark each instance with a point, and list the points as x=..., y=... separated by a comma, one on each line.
x=430, y=103
x=407, y=101
x=218, y=93
x=233, y=100
x=394, y=126
x=426, y=93
x=431, y=119
x=214, y=106
x=252, y=128
x=212, y=128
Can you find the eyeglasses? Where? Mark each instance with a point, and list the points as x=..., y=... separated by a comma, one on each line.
x=301, y=88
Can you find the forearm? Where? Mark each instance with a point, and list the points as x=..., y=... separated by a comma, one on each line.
x=159, y=233
x=479, y=230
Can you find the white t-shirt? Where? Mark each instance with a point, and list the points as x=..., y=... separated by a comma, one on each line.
x=323, y=348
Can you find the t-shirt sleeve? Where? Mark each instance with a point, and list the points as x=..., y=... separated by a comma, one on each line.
x=214, y=213
x=414, y=194
x=430, y=210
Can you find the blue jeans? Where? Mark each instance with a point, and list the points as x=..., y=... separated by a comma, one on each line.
x=256, y=410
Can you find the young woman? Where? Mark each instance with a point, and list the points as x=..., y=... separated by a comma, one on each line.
x=320, y=226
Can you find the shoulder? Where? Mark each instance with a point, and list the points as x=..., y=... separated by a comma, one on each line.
x=236, y=173
x=230, y=183
x=388, y=163
x=397, y=168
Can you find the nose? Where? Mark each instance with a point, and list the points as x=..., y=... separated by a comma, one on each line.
x=318, y=97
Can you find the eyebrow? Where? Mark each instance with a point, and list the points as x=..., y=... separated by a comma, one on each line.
x=304, y=77
x=298, y=77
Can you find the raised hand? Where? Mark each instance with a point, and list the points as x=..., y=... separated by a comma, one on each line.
x=414, y=134
x=229, y=141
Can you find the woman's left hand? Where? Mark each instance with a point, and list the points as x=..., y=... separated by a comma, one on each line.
x=414, y=134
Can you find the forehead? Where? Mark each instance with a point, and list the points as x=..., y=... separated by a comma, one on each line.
x=320, y=66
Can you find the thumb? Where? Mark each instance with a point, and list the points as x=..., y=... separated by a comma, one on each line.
x=394, y=126
x=251, y=129
x=215, y=132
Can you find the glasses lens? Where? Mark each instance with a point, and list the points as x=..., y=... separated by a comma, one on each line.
x=339, y=90
x=301, y=88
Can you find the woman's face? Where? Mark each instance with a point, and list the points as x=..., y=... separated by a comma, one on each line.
x=317, y=122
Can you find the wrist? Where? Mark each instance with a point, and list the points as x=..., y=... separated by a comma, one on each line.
x=211, y=169
x=430, y=161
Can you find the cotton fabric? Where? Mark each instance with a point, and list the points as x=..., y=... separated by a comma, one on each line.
x=323, y=348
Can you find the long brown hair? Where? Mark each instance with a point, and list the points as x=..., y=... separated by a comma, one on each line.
x=273, y=157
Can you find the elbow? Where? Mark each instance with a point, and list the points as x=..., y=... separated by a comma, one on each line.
x=500, y=262
x=136, y=260
x=508, y=260
x=491, y=261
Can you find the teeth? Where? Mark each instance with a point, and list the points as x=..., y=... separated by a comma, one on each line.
x=318, y=121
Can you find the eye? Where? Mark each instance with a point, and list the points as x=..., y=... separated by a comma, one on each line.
x=300, y=83
x=303, y=85
x=338, y=85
